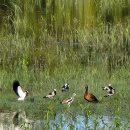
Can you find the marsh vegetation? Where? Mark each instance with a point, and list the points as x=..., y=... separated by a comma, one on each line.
x=46, y=43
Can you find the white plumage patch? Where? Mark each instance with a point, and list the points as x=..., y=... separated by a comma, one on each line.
x=65, y=87
x=18, y=90
x=22, y=94
x=109, y=90
x=51, y=94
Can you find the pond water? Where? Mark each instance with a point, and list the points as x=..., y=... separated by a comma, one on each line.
x=62, y=121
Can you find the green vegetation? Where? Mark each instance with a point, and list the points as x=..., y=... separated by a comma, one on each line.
x=45, y=43
x=49, y=34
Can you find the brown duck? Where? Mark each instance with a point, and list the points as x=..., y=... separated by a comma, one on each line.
x=89, y=96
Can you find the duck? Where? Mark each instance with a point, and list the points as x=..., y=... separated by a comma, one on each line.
x=89, y=96
x=65, y=87
x=18, y=91
x=109, y=89
x=69, y=100
x=51, y=94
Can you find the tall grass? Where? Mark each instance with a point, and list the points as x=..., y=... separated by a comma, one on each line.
x=48, y=34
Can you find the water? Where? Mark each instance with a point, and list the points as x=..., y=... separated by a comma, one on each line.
x=62, y=121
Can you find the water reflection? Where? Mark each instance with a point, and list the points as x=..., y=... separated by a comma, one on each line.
x=89, y=122
x=66, y=121
x=14, y=121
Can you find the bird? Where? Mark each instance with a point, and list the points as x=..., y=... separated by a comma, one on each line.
x=65, y=87
x=51, y=94
x=89, y=96
x=109, y=89
x=18, y=91
x=69, y=100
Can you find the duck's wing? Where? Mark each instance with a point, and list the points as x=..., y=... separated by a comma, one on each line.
x=50, y=93
x=90, y=97
x=110, y=87
x=94, y=98
x=15, y=88
x=67, y=87
x=20, y=92
x=67, y=100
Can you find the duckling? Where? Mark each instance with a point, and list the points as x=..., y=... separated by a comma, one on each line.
x=69, y=100
x=65, y=87
x=109, y=89
x=89, y=96
x=51, y=94
x=18, y=91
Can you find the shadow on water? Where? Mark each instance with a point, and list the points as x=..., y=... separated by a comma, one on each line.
x=64, y=121
x=15, y=121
